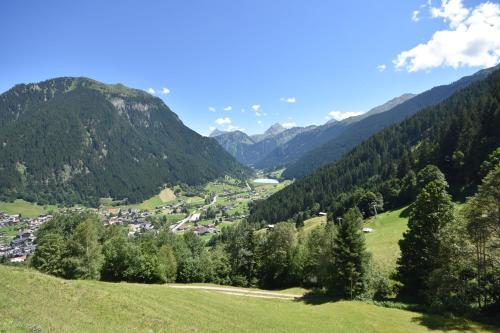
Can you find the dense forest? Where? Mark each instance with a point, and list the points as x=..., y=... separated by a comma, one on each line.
x=362, y=129
x=75, y=140
x=456, y=135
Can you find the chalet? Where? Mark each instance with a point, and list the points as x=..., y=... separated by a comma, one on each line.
x=18, y=259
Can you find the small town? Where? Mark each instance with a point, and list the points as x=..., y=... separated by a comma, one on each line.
x=224, y=204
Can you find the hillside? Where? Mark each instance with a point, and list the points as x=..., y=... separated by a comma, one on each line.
x=333, y=149
x=291, y=151
x=249, y=150
x=235, y=143
x=31, y=301
x=456, y=135
x=75, y=140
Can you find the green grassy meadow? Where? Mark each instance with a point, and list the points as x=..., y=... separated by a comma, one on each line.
x=26, y=209
x=34, y=302
x=383, y=241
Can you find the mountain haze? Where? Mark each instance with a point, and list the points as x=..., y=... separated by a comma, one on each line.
x=249, y=150
x=294, y=149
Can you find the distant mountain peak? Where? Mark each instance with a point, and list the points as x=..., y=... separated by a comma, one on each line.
x=275, y=129
x=216, y=132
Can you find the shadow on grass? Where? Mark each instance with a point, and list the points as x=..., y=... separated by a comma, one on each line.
x=431, y=321
x=316, y=297
x=405, y=212
x=450, y=323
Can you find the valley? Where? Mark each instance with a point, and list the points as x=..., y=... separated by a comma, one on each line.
x=250, y=166
x=204, y=210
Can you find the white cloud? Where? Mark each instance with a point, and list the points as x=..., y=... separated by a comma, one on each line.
x=289, y=125
x=256, y=107
x=228, y=108
x=211, y=128
x=212, y=109
x=290, y=100
x=472, y=39
x=339, y=115
x=452, y=11
x=414, y=16
x=165, y=91
x=381, y=67
x=223, y=121
x=151, y=91
x=259, y=122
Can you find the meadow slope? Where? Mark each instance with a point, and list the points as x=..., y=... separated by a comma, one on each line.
x=34, y=302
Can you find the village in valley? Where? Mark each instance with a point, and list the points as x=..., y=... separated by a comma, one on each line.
x=203, y=210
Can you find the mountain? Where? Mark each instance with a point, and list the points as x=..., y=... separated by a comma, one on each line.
x=272, y=131
x=294, y=149
x=456, y=135
x=75, y=140
x=355, y=133
x=235, y=143
x=249, y=150
x=381, y=108
x=216, y=132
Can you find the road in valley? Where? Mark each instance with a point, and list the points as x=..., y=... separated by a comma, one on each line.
x=176, y=226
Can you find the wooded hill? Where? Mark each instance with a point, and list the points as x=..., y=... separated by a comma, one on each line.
x=290, y=152
x=75, y=140
x=455, y=135
x=360, y=130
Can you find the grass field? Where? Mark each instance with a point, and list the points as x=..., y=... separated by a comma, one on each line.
x=26, y=209
x=313, y=223
x=383, y=241
x=33, y=302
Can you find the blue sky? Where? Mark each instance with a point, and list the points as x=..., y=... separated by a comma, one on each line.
x=292, y=61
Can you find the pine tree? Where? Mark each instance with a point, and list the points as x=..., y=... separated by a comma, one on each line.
x=431, y=211
x=299, y=221
x=348, y=274
x=483, y=227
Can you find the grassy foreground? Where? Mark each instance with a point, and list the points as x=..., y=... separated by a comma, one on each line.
x=33, y=302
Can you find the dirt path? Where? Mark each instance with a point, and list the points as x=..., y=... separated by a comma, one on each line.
x=241, y=292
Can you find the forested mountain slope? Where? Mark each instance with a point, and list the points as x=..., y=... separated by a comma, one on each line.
x=235, y=143
x=361, y=130
x=249, y=150
x=74, y=140
x=303, y=143
x=455, y=135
